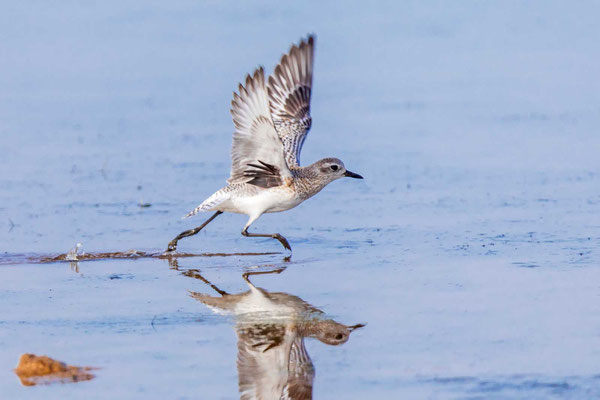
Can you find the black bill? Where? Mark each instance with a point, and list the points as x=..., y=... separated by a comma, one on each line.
x=353, y=327
x=352, y=175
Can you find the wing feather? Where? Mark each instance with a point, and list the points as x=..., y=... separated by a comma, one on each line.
x=264, y=175
x=255, y=138
x=263, y=356
x=301, y=373
x=289, y=91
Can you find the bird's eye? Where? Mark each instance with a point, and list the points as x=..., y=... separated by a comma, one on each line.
x=334, y=167
x=339, y=336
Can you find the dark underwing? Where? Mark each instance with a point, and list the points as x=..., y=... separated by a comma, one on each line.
x=263, y=175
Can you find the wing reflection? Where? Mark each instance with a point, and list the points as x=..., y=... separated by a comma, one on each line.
x=271, y=326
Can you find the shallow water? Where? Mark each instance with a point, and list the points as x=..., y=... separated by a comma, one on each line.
x=470, y=250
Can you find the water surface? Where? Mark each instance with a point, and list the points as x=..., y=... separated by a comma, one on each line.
x=470, y=250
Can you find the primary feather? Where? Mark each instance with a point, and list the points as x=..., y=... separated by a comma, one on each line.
x=289, y=92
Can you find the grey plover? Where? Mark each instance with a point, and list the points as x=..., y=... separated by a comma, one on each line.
x=271, y=122
x=272, y=360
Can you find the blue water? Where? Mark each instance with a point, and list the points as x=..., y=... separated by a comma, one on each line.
x=471, y=249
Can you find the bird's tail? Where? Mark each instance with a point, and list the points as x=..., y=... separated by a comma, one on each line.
x=219, y=305
x=209, y=204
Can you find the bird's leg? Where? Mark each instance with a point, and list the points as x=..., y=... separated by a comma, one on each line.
x=173, y=243
x=277, y=236
x=194, y=273
x=246, y=275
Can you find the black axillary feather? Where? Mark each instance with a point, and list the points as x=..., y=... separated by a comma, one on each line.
x=265, y=175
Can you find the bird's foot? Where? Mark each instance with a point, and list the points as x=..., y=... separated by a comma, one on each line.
x=282, y=240
x=172, y=246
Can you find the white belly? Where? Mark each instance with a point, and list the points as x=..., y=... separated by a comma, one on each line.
x=264, y=201
x=261, y=306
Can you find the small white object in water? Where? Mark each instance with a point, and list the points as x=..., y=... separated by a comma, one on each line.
x=73, y=253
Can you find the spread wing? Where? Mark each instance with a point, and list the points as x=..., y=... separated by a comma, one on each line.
x=289, y=98
x=255, y=140
x=263, y=356
x=301, y=373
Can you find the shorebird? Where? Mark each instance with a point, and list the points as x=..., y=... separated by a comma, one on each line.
x=272, y=360
x=271, y=122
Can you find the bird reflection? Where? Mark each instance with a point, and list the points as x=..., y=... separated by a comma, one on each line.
x=272, y=360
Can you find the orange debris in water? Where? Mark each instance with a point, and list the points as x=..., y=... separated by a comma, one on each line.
x=43, y=370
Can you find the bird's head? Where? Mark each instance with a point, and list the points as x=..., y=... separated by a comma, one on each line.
x=333, y=333
x=333, y=168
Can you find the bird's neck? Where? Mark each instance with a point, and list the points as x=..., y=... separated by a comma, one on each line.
x=307, y=181
x=309, y=328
